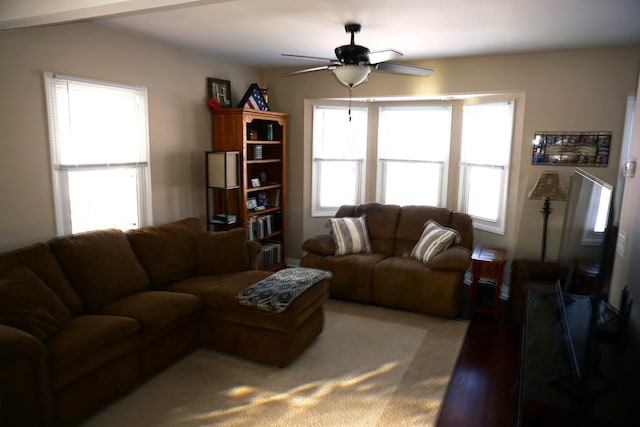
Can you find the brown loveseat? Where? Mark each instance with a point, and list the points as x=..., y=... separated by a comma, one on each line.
x=86, y=317
x=389, y=276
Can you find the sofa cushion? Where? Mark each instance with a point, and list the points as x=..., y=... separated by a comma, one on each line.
x=435, y=238
x=222, y=251
x=156, y=310
x=350, y=235
x=407, y=284
x=168, y=252
x=382, y=221
x=100, y=265
x=411, y=225
x=41, y=261
x=28, y=304
x=218, y=292
x=276, y=292
x=8, y=261
x=88, y=342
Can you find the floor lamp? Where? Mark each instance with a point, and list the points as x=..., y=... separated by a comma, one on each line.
x=548, y=187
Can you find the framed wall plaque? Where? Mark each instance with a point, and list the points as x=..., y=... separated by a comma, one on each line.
x=571, y=148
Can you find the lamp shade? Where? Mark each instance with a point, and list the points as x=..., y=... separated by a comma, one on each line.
x=351, y=75
x=222, y=169
x=549, y=186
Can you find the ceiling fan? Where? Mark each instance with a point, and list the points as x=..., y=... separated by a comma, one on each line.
x=355, y=62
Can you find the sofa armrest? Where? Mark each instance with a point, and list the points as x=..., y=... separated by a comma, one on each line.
x=456, y=258
x=255, y=249
x=26, y=392
x=322, y=244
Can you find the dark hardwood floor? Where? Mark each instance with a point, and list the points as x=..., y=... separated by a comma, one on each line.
x=483, y=390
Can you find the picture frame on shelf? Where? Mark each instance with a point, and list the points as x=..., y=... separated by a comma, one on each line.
x=252, y=203
x=253, y=99
x=255, y=182
x=220, y=90
x=262, y=199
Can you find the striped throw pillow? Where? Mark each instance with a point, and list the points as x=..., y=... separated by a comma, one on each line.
x=435, y=238
x=350, y=235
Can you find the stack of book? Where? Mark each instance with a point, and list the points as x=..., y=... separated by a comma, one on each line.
x=262, y=226
x=271, y=253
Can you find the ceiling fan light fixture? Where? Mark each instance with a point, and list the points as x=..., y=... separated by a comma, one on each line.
x=352, y=75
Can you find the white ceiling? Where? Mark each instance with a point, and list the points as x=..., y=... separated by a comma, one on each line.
x=257, y=32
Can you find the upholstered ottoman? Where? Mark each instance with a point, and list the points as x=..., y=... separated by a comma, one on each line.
x=271, y=337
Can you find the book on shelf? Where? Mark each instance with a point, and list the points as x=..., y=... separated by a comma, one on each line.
x=261, y=226
x=225, y=218
x=274, y=198
x=271, y=253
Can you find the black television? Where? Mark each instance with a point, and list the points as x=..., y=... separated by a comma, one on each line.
x=590, y=233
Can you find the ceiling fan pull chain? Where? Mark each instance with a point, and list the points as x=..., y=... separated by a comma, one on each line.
x=350, y=89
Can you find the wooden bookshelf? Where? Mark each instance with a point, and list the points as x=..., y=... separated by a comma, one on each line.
x=260, y=138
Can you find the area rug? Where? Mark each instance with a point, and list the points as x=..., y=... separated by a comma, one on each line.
x=371, y=366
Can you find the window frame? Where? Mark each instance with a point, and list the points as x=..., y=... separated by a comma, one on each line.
x=317, y=210
x=382, y=163
x=60, y=172
x=497, y=226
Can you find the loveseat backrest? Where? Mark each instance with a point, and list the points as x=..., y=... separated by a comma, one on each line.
x=411, y=225
x=381, y=223
x=463, y=223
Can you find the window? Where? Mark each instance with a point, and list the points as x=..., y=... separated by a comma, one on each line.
x=413, y=154
x=598, y=215
x=486, y=147
x=99, y=154
x=339, y=150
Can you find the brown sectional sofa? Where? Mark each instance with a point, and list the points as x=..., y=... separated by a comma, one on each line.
x=389, y=276
x=86, y=317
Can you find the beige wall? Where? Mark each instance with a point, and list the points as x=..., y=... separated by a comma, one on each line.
x=626, y=267
x=574, y=90
x=563, y=91
x=179, y=121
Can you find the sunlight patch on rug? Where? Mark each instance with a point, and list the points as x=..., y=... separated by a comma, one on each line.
x=370, y=366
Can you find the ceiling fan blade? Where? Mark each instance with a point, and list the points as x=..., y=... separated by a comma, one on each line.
x=309, y=70
x=395, y=67
x=309, y=57
x=383, y=55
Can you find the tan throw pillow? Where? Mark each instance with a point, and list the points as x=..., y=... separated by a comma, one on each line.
x=222, y=251
x=435, y=239
x=350, y=235
x=26, y=303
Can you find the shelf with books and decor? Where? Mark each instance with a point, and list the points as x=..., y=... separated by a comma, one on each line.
x=260, y=139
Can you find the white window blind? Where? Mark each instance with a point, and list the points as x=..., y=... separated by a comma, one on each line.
x=339, y=150
x=413, y=154
x=484, y=168
x=99, y=153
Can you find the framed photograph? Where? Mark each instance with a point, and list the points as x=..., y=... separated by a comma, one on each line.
x=252, y=203
x=220, y=90
x=571, y=148
x=262, y=198
x=255, y=182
